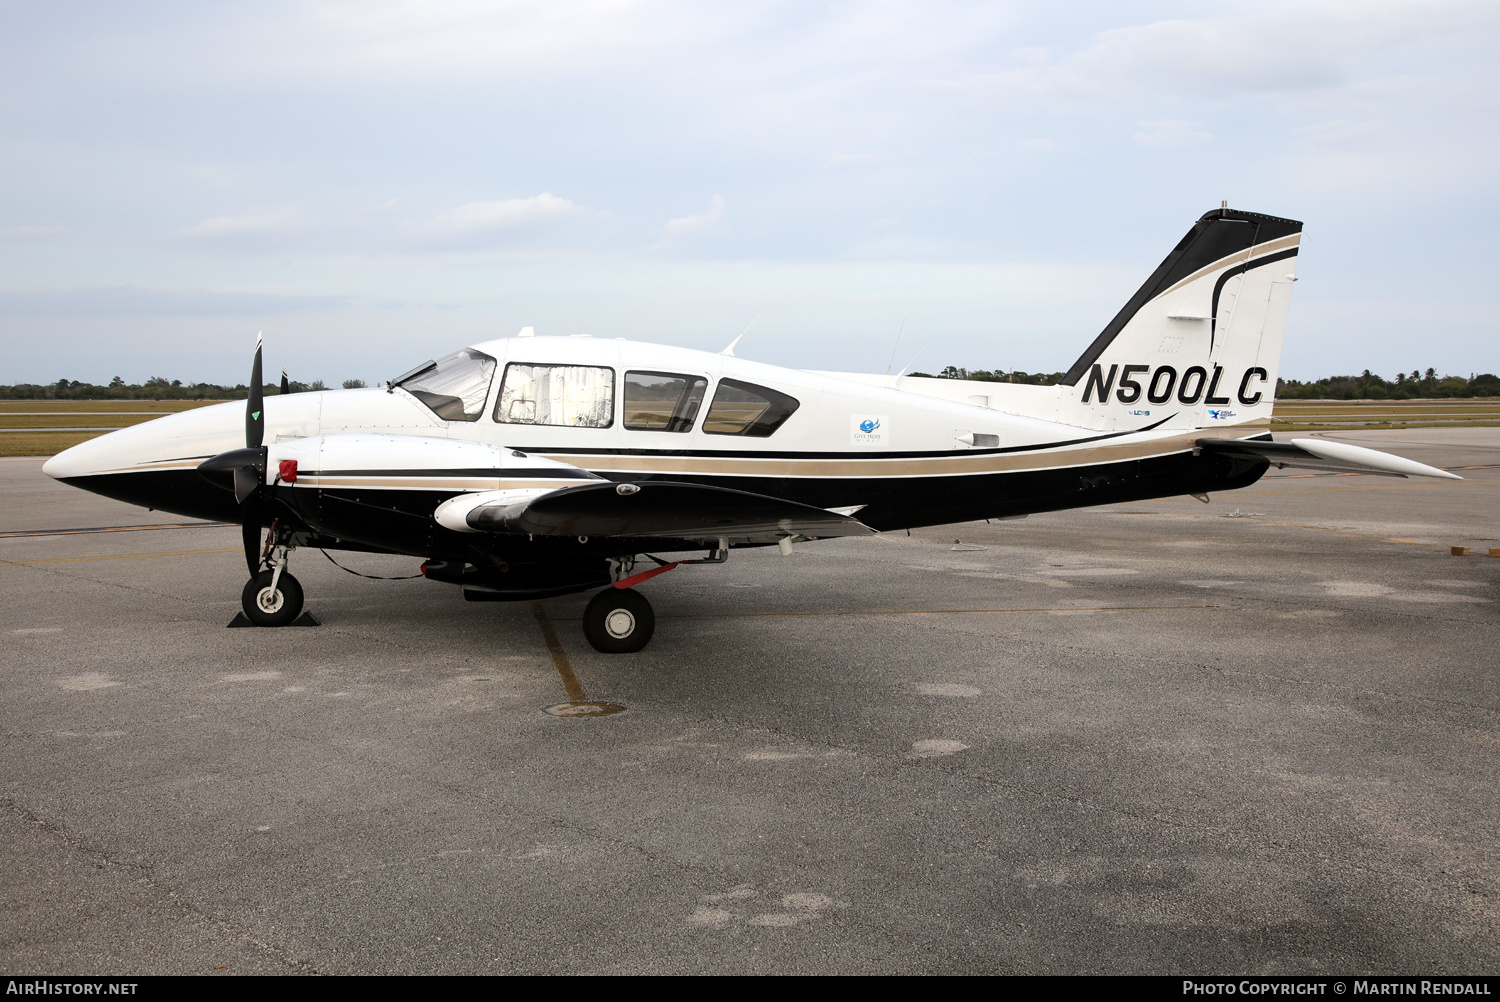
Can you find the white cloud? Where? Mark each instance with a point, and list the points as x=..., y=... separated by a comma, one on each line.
x=688, y=227
x=1284, y=49
x=482, y=220
x=259, y=224
x=1168, y=133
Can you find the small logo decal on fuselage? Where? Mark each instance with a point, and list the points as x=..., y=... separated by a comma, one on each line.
x=1220, y=414
x=868, y=430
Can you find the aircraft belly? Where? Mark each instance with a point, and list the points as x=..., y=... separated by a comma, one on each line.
x=907, y=502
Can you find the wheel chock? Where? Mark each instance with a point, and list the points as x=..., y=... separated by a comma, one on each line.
x=306, y=619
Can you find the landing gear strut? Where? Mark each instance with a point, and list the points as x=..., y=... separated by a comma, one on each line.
x=618, y=621
x=273, y=597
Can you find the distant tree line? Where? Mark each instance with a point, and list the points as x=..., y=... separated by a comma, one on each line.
x=996, y=376
x=1406, y=386
x=155, y=388
x=1366, y=386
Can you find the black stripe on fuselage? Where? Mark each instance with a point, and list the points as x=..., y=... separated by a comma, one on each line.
x=868, y=454
x=547, y=473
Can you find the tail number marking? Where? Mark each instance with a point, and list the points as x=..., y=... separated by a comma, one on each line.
x=1196, y=384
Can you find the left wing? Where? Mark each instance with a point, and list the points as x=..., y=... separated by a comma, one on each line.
x=1317, y=454
x=652, y=509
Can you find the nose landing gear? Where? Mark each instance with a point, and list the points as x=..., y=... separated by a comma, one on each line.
x=273, y=597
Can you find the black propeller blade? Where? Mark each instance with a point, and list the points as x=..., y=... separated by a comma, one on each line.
x=255, y=407
x=244, y=470
x=286, y=387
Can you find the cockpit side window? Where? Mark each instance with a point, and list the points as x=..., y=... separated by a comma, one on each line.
x=572, y=396
x=747, y=409
x=662, y=401
x=455, y=386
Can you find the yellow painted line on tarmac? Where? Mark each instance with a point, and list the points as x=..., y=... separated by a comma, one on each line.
x=116, y=556
x=559, y=656
x=34, y=533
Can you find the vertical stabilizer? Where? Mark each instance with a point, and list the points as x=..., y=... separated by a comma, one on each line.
x=1198, y=345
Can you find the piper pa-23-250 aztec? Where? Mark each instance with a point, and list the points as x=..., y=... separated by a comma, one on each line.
x=537, y=466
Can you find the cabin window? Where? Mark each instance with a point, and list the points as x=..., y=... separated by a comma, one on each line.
x=455, y=386
x=571, y=396
x=747, y=409
x=662, y=401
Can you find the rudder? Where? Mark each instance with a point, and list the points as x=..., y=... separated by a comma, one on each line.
x=1199, y=344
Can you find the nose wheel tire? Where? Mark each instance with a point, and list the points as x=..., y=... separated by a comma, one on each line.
x=618, y=621
x=265, y=607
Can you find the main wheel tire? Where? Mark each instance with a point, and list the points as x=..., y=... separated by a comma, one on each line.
x=263, y=607
x=618, y=621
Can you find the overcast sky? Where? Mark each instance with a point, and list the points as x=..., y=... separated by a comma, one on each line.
x=372, y=183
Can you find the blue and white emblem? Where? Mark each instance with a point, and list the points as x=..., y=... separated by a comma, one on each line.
x=868, y=430
x=1220, y=413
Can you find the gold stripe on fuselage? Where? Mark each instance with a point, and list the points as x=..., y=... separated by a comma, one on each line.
x=876, y=468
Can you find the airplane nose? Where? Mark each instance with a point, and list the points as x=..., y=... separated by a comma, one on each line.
x=81, y=460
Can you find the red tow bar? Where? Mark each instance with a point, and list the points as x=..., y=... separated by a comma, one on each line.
x=636, y=579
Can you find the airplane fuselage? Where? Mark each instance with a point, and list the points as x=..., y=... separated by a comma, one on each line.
x=905, y=459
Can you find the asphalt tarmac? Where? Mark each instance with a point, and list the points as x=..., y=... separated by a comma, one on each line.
x=1146, y=738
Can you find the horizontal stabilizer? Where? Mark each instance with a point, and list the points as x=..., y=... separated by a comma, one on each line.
x=1316, y=454
x=652, y=510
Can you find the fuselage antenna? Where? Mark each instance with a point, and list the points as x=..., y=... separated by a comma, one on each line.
x=894, y=347
x=908, y=365
x=730, y=350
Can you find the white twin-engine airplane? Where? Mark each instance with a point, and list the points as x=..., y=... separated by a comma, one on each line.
x=538, y=466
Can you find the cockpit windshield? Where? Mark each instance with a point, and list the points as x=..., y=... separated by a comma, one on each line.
x=455, y=386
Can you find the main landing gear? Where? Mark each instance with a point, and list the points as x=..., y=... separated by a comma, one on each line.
x=618, y=621
x=273, y=597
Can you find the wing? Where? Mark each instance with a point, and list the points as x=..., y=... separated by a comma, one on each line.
x=1317, y=454
x=651, y=510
